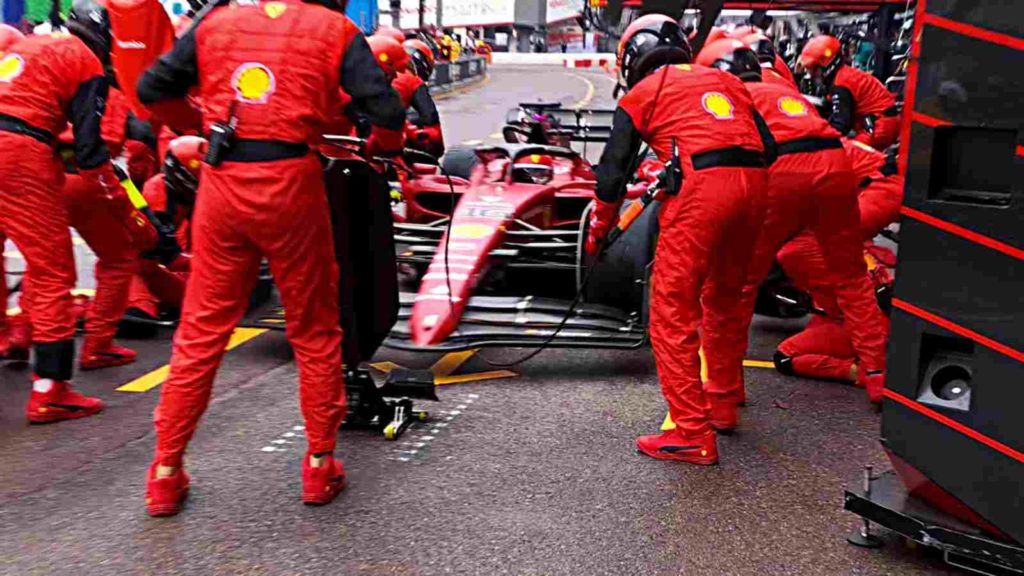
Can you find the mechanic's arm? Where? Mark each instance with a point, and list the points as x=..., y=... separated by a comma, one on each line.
x=164, y=86
x=86, y=115
x=425, y=108
x=140, y=130
x=372, y=95
x=843, y=107
x=618, y=158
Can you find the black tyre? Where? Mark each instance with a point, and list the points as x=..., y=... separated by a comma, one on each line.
x=620, y=279
x=459, y=162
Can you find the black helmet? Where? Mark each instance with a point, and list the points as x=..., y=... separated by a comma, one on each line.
x=732, y=56
x=88, y=19
x=762, y=46
x=648, y=43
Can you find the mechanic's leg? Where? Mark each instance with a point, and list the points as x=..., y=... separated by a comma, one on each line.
x=681, y=264
x=837, y=228
x=38, y=225
x=225, y=268
x=727, y=325
x=880, y=205
x=821, y=351
x=117, y=262
x=691, y=242
x=802, y=260
x=301, y=252
x=155, y=285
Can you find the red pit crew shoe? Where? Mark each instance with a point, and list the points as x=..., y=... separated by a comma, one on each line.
x=873, y=383
x=321, y=485
x=60, y=403
x=165, y=496
x=95, y=356
x=672, y=445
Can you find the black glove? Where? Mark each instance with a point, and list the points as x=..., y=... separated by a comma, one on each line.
x=167, y=248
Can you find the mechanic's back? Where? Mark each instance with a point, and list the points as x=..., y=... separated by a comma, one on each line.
x=270, y=73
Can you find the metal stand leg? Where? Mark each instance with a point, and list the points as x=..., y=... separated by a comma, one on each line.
x=863, y=537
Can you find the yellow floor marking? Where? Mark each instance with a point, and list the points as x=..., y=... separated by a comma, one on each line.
x=13, y=254
x=591, y=89
x=90, y=292
x=384, y=367
x=476, y=377
x=77, y=241
x=157, y=377
x=13, y=311
x=450, y=362
x=497, y=136
x=668, y=424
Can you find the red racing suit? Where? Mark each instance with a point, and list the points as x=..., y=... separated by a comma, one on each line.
x=156, y=284
x=274, y=71
x=782, y=70
x=824, y=348
x=116, y=249
x=810, y=185
x=425, y=132
x=860, y=100
x=708, y=230
x=45, y=81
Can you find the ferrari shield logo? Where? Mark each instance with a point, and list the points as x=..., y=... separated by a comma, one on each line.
x=718, y=105
x=253, y=83
x=11, y=66
x=792, y=107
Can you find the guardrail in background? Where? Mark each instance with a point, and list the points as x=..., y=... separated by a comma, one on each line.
x=448, y=75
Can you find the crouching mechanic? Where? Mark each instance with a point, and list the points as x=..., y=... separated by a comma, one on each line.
x=707, y=231
x=268, y=76
x=45, y=81
x=824, y=349
x=859, y=102
x=395, y=61
x=171, y=195
x=810, y=185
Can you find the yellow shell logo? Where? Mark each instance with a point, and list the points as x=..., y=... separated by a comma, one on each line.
x=253, y=83
x=828, y=52
x=275, y=9
x=11, y=66
x=383, y=57
x=684, y=67
x=472, y=231
x=792, y=107
x=718, y=105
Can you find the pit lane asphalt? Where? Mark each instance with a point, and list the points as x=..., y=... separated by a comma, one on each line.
x=529, y=475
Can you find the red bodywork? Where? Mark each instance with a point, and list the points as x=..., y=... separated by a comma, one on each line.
x=490, y=205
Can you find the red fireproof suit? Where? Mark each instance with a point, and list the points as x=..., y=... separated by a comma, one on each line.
x=824, y=348
x=708, y=230
x=155, y=284
x=810, y=185
x=415, y=94
x=857, y=96
x=275, y=70
x=45, y=81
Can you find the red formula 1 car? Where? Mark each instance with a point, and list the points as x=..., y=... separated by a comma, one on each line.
x=495, y=241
